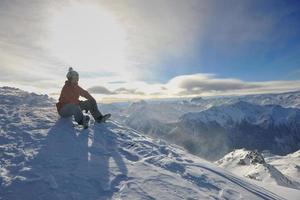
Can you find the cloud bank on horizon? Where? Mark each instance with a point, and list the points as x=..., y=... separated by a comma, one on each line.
x=152, y=49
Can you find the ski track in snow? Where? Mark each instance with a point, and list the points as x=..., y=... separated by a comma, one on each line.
x=45, y=157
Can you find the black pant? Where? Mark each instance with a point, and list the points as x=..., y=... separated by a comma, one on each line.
x=90, y=105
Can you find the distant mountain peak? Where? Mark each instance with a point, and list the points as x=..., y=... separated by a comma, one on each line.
x=243, y=157
x=196, y=99
x=251, y=164
x=252, y=157
x=138, y=103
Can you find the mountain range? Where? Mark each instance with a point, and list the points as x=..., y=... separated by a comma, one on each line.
x=212, y=127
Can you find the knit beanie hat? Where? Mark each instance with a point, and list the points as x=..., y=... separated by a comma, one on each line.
x=72, y=74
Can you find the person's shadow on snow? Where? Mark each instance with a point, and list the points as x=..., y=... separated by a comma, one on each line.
x=105, y=160
x=50, y=172
x=71, y=164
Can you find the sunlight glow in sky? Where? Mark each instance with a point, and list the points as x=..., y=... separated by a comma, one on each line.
x=104, y=44
x=143, y=49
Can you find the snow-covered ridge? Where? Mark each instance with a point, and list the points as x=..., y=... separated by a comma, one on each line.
x=287, y=99
x=15, y=96
x=289, y=164
x=251, y=164
x=45, y=157
x=227, y=115
x=165, y=112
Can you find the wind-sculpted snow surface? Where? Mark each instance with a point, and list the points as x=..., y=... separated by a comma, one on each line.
x=45, y=157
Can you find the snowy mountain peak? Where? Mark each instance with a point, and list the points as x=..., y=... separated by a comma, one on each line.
x=139, y=103
x=251, y=164
x=252, y=157
x=296, y=154
x=242, y=157
x=196, y=100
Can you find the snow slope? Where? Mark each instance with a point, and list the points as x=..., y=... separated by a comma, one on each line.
x=45, y=157
x=289, y=165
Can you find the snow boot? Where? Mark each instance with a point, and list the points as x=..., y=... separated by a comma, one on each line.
x=85, y=121
x=103, y=118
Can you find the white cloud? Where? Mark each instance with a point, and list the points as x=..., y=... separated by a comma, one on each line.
x=99, y=90
x=128, y=91
x=197, y=85
x=209, y=84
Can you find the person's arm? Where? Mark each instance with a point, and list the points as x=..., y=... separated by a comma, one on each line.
x=85, y=94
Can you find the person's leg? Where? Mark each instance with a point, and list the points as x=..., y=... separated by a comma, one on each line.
x=91, y=105
x=69, y=110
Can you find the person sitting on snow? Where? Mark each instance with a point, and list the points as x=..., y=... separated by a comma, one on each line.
x=69, y=104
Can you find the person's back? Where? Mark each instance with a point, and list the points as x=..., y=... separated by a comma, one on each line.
x=70, y=93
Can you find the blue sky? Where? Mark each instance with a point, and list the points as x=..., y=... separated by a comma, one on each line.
x=254, y=41
x=152, y=49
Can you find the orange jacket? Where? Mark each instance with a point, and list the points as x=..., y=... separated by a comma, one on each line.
x=70, y=94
